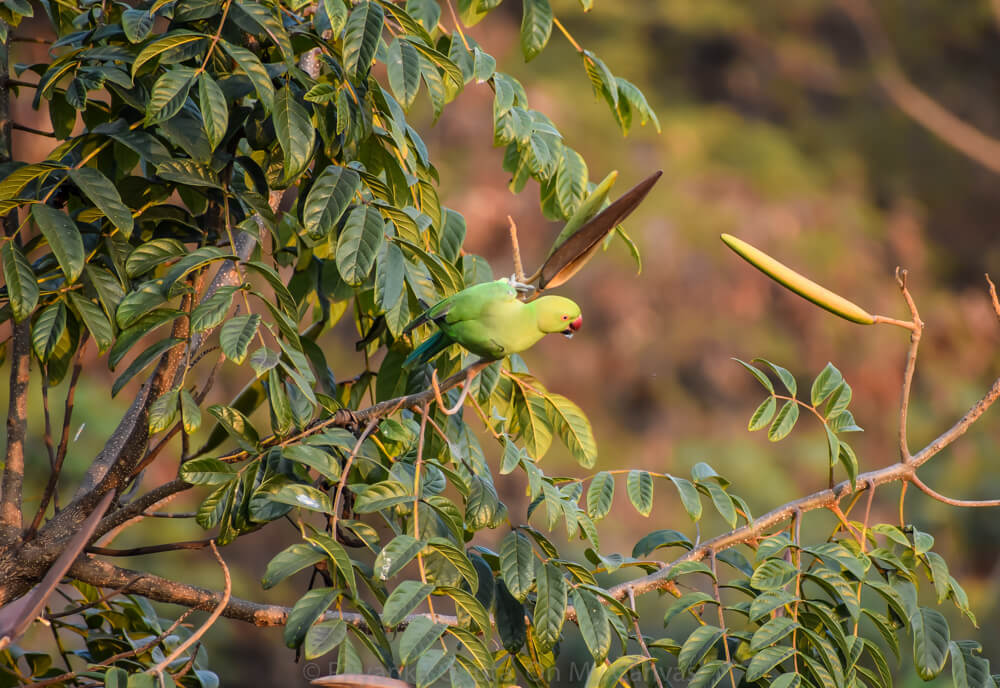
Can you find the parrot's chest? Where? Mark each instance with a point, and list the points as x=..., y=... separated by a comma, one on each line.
x=499, y=331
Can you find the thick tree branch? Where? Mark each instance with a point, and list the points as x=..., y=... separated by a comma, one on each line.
x=156, y=588
x=17, y=426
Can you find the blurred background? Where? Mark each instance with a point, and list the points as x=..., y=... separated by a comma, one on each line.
x=801, y=127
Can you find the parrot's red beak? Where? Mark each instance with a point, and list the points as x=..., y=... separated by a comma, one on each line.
x=573, y=327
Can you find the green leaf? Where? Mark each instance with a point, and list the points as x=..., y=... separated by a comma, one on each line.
x=536, y=27
x=173, y=41
x=433, y=664
x=517, y=564
x=251, y=65
x=686, y=602
x=762, y=416
x=403, y=66
x=190, y=412
x=324, y=637
x=639, y=486
x=236, y=426
x=271, y=26
x=550, y=605
x=711, y=674
x=824, y=384
x=931, y=638
x=314, y=457
x=722, y=501
x=756, y=372
x=697, y=646
x=405, y=598
x=137, y=24
x=169, y=94
x=214, y=109
x=420, y=635
x=163, y=412
x=304, y=497
x=48, y=329
x=206, y=471
x=689, y=497
x=784, y=421
x=305, y=612
x=657, y=539
x=787, y=379
x=359, y=243
x=396, y=555
x=328, y=198
x=968, y=668
x=532, y=422
x=600, y=495
x=574, y=430
x=189, y=173
x=592, y=619
x=383, y=495
x=212, y=311
x=236, y=335
x=295, y=132
x=361, y=37
x=340, y=559
x=617, y=670
x=152, y=353
x=773, y=574
x=771, y=632
x=22, y=289
x=103, y=194
x=63, y=237
x=151, y=253
x=95, y=320
x=767, y=660
x=290, y=560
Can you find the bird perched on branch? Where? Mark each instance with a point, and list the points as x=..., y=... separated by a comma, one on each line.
x=490, y=320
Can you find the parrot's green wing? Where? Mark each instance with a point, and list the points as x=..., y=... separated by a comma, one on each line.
x=462, y=317
x=468, y=304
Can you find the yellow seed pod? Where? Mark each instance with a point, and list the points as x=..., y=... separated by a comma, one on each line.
x=803, y=286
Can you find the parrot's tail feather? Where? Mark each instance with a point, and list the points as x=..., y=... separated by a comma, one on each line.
x=420, y=319
x=428, y=350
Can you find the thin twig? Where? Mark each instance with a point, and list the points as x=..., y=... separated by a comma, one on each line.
x=993, y=289
x=101, y=600
x=722, y=616
x=121, y=655
x=642, y=641
x=150, y=549
x=948, y=500
x=913, y=102
x=193, y=638
x=516, y=252
x=347, y=468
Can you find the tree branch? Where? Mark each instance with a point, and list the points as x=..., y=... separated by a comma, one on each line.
x=917, y=105
x=106, y=575
x=17, y=426
x=819, y=500
x=150, y=549
x=948, y=500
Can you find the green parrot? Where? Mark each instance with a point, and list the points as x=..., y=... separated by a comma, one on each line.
x=488, y=319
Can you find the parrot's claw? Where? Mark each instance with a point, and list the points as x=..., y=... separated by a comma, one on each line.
x=440, y=400
x=521, y=286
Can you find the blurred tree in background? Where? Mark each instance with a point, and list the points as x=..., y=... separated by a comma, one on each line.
x=322, y=146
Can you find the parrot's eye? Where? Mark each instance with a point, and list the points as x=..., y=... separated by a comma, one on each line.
x=565, y=317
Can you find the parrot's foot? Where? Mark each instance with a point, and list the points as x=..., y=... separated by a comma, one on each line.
x=521, y=286
x=461, y=398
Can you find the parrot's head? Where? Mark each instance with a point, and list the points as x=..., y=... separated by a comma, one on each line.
x=558, y=314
